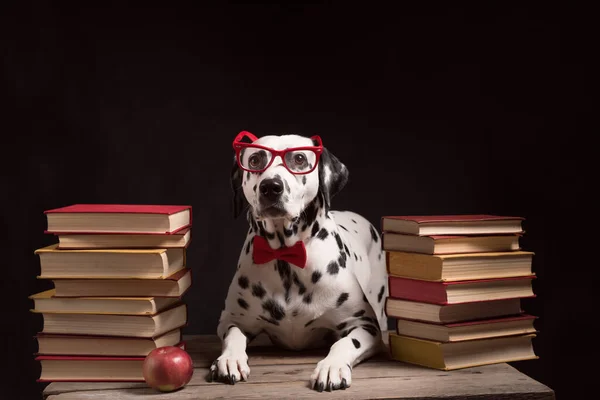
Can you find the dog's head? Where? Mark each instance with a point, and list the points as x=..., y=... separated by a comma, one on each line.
x=280, y=185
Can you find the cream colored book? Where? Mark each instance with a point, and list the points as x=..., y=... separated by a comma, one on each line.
x=47, y=302
x=123, y=241
x=143, y=326
x=108, y=346
x=171, y=286
x=458, y=267
x=109, y=263
x=467, y=330
x=465, y=354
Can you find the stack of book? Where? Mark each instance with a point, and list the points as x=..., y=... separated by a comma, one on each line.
x=119, y=273
x=456, y=284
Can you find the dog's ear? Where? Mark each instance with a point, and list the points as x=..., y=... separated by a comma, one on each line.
x=333, y=176
x=239, y=199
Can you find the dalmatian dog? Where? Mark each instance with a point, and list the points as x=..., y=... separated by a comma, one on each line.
x=329, y=288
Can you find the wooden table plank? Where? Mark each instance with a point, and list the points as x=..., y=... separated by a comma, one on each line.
x=280, y=374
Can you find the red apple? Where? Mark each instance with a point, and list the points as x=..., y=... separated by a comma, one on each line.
x=167, y=368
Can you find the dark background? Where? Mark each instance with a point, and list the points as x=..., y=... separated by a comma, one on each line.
x=439, y=110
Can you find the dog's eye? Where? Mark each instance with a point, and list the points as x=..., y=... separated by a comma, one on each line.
x=254, y=161
x=299, y=159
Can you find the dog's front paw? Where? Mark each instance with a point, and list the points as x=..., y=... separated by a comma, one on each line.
x=229, y=368
x=331, y=374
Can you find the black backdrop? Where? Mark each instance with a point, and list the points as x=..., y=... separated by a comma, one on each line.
x=441, y=110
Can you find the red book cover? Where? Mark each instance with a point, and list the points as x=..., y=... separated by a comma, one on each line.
x=450, y=218
x=434, y=292
x=122, y=209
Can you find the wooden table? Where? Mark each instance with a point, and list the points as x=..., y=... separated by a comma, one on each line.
x=277, y=374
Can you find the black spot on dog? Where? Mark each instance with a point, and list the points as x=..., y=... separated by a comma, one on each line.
x=295, y=228
x=341, y=326
x=287, y=285
x=371, y=329
x=380, y=295
x=333, y=268
x=288, y=232
x=304, y=179
x=269, y=320
x=365, y=298
x=379, y=256
x=295, y=313
x=310, y=212
x=248, y=246
x=373, y=233
x=287, y=187
x=316, y=276
x=258, y=290
x=284, y=269
x=342, y=299
x=346, y=249
x=307, y=298
x=323, y=233
x=239, y=266
x=274, y=309
x=301, y=287
x=355, y=257
x=353, y=221
x=304, y=226
x=356, y=343
x=315, y=229
x=361, y=312
x=338, y=240
x=343, y=227
x=309, y=322
x=254, y=188
x=243, y=303
x=280, y=237
x=243, y=282
x=247, y=175
x=342, y=260
x=355, y=231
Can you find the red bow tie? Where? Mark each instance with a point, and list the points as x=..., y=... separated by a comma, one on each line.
x=263, y=253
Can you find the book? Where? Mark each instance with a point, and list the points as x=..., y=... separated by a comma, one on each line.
x=457, y=355
x=468, y=224
x=143, y=326
x=451, y=313
x=179, y=239
x=90, y=369
x=110, y=346
x=460, y=291
x=456, y=267
x=47, y=302
x=61, y=368
x=118, y=218
x=467, y=330
x=175, y=285
x=450, y=244
x=109, y=263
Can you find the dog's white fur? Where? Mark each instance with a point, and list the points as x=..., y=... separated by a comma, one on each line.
x=339, y=295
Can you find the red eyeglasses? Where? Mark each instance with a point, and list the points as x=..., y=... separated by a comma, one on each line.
x=256, y=158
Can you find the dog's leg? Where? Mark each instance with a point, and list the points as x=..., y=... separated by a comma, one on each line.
x=335, y=370
x=232, y=364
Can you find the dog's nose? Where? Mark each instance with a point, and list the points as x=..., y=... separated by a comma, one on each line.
x=271, y=188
